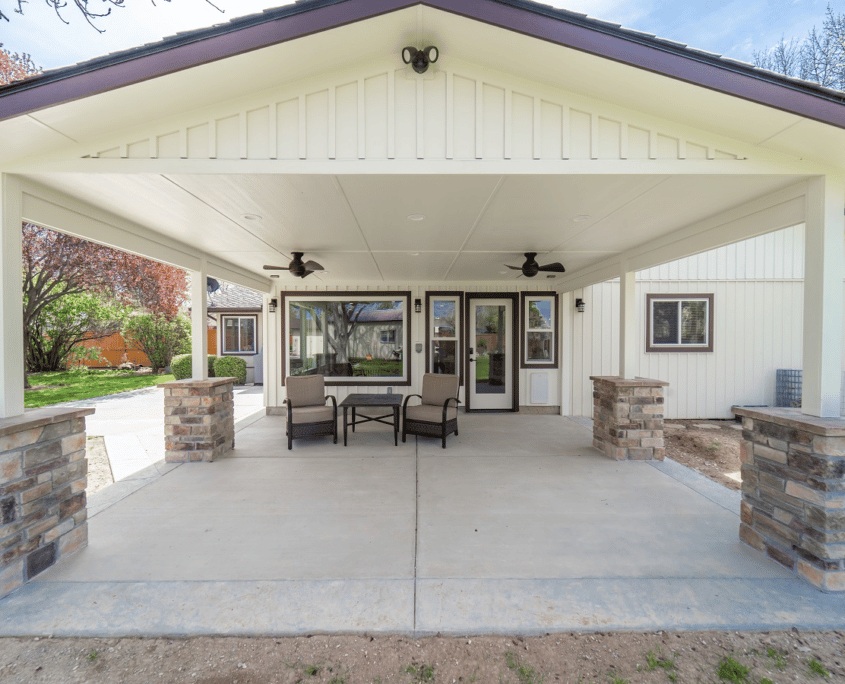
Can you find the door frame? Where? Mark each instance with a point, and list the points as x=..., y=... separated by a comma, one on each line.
x=515, y=318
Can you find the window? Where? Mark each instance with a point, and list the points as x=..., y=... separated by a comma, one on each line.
x=239, y=334
x=682, y=322
x=539, y=329
x=348, y=338
x=443, y=311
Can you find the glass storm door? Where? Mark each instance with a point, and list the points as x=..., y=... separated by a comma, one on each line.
x=490, y=357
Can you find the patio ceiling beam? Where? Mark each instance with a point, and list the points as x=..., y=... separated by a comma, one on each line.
x=11, y=296
x=777, y=210
x=363, y=167
x=824, y=272
x=55, y=210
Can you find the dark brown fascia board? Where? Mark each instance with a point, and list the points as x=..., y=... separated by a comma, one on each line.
x=560, y=27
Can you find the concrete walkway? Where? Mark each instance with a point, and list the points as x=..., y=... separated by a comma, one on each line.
x=519, y=526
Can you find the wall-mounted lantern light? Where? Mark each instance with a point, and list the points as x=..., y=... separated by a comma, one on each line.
x=420, y=59
x=273, y=304
x=418, y=305
x=579, y=304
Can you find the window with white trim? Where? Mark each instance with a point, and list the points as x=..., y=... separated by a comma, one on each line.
x=239, y=334
x=679, y=322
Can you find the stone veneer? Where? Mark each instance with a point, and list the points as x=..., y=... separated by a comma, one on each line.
x=199, y=419
x=793, y=491
x=628, y=417
x=43, y=475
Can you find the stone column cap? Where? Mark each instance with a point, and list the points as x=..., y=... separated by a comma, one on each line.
x=197, y=384
x=793, y=418
x=33, y=418
x=624, y=382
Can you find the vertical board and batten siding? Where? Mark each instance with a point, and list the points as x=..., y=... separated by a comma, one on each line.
x=418, y=329
x=389, y=113
x=758, y=311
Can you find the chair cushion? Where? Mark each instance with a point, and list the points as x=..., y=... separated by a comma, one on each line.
x=311, y=414
x=306, y=390
x=438, y=388
x=429, y=413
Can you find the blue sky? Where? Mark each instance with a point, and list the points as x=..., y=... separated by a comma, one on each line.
x=731, y=27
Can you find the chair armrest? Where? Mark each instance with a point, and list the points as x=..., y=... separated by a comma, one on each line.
x=334, y=403
x=446, y=405
x=405, y=403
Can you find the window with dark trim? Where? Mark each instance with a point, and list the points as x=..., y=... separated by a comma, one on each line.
x=239, y=334
x=350, y=338
x=679, y=322
x=539, y=329
x=443, y=332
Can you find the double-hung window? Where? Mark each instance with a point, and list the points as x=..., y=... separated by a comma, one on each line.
x=679, y=322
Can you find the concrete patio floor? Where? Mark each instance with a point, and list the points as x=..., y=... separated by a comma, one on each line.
x=519, y=526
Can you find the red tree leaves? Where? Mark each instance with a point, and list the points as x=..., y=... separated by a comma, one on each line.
x=15, y=67
x=56, y=265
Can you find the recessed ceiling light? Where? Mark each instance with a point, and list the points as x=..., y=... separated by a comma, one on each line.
x=414, y=253
x=581, y=217
x=416, y=217
x=251, y=217
x=274, y=276
x=503, y=272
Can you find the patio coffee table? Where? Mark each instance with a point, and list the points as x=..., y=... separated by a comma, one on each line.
x=355, y=401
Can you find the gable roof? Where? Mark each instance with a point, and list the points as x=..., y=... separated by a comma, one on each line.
x=234, y=297
x=557, y=26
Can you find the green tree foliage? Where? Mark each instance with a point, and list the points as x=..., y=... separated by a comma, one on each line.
x=230, y=367
x=159, y=337
x=182, y=369
x=64, y=323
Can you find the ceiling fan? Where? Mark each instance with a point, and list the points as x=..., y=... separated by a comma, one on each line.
x=531, y=268
x=297, y=267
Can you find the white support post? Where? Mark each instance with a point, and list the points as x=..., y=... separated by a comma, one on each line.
x=199, y=325
x=628, y=358
x=824, y=271
x=11, y=299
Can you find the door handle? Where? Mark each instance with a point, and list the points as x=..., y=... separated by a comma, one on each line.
x=471, y=360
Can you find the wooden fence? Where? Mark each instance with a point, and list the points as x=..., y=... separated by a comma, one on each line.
x=114, y=347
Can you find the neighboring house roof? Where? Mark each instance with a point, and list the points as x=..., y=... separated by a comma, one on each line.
x=558, y=26
x=234, y=298
x=380, y=316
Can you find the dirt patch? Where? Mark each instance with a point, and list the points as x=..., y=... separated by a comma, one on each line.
x=99, y=468
x=600, y=658
x=709, y=446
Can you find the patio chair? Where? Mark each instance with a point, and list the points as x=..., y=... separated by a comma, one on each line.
x=308, y=415
x=434, y=417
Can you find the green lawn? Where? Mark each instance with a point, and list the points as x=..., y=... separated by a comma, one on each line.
x=85, y=384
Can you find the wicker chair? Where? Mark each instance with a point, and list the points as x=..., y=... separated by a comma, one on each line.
x=308, y=415
x=434, y=417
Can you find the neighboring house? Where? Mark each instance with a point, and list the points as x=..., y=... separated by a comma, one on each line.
x=235, y=314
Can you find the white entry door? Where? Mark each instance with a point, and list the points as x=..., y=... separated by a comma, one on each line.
x=490, y=378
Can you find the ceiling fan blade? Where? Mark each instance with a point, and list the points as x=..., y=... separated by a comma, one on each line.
x=275, y=268
x=313, y=266
x=306, y=274
x=556, y=267
x=515, y=268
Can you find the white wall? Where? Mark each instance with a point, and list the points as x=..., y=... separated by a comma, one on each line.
x=758, y=309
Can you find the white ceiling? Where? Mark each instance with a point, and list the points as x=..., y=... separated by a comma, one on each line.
x=357, y=227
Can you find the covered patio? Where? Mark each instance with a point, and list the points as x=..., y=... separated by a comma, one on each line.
x=499, y=533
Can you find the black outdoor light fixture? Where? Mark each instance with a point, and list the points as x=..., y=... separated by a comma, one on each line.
x=420, y=59
x=418, y=305
x=272, y=307
x=579, y=304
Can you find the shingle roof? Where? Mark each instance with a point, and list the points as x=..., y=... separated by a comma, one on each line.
x=234, y=297
x=573, y=29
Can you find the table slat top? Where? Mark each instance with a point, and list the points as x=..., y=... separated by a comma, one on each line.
x=372, y=400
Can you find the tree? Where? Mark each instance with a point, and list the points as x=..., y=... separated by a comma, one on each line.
x=820, y=57
x=57, y=266
x=101, y=9
x=65, y=323
x=159, y=337
x=16, y=66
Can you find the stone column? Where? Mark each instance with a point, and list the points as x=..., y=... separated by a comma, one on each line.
x=199, y=419
x=793, y=492
x=43, y=475
x=628, y=417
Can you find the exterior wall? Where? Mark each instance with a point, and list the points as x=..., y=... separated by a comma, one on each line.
x=758, y=312
x=275, y=393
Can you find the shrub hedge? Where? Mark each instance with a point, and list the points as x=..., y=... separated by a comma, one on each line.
x=180, y=366
x=230, y=367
